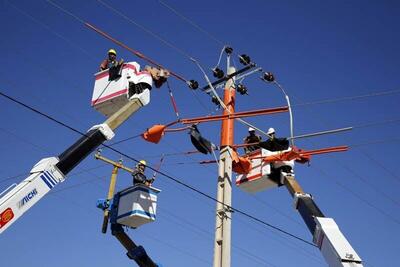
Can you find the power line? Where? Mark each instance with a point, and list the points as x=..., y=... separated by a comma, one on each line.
x=158, y=37
x=371, y=124
x=65, y=11
x=161, y=173
x=370, y=158
x=50, y=29
x=191, y=22
x=97, y=178
x=375, y=142
x=174, y=248
x=387, y=215
x=348, y=98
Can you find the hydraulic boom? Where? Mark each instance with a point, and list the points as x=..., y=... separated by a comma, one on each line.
x=49, y=172
x=327, y=236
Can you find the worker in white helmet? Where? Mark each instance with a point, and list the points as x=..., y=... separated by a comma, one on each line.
x=274, y=143
x=138, y=174
x=252, y=139
x=271, y=133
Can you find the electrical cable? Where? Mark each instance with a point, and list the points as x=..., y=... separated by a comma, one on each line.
x=371, y=205
x=163, y=173
x=126, y=139
x=191, y=22
x=347, y=98
x=50, y=29
x=97, y=178
x=375, y=142
x=135, y=52
x=158, y=37
x=65, y=11
x=88, y=54
x=52, y=193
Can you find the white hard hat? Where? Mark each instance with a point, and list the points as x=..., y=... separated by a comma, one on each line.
x=271, y=131
x=251, y=129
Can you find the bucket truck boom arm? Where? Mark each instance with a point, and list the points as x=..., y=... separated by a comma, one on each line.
x=48, y=172
x=327, y=236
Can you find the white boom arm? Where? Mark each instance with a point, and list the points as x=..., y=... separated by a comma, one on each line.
x=327, y=236
x=49, y=172
x=44, y=176
x=335, y=248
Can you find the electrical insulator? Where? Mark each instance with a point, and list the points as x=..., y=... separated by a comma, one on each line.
x=218, y=73
x=214, y=99
x=193, y=84
x=241, y=89
x=268, y=76
x=244, y=59
x=228, y=50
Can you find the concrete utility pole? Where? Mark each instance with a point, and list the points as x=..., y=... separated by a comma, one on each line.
x=222, y=245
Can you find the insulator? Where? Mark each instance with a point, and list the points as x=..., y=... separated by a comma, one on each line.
x=193, y=84
x=268, y=76
x=244, y=59
x=218, y=73
x=228, y=50
x=241, y=89
x=214, y=99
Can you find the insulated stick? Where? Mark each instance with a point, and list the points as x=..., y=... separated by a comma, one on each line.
x=158, y=168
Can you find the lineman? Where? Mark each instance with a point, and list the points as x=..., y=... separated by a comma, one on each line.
x=111, y=61
x=251, y=139
x=138, y=174
x=273, y=143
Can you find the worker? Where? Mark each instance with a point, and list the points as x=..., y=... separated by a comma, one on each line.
x=138, y=174
x=253, y=139
x=111, y=61
x=159, y=75
x=273, y=143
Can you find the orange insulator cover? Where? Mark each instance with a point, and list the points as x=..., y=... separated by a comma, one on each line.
x=242, y=166
x=154, y=133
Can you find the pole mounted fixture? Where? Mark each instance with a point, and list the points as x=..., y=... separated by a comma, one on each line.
x=218, y=73
x=227, y=77
x=241, y=89
x=193, y=84
x=214, y=99
x=244, y=59
x=228, y=50
x=268, y=76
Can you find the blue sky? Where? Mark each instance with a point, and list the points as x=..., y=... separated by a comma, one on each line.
x=318, y=50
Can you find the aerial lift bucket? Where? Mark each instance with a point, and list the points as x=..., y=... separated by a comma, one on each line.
x=135, y=206
x=110, y=95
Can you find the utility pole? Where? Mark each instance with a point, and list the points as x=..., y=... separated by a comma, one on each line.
x=222, y=243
